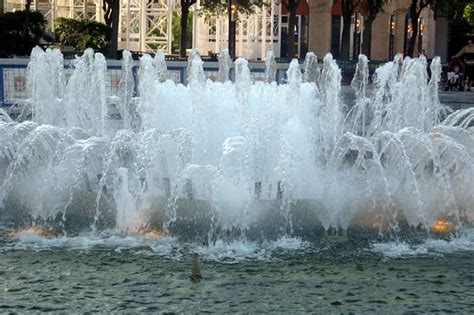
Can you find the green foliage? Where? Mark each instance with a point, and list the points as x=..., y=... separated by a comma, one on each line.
x=213, y=8
x=456, y=10
x=82, y=34
x=17, y=36
x=468, y=13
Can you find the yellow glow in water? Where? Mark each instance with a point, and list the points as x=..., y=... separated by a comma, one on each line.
x=34, y=230
x=441, y=226
x=154, y=233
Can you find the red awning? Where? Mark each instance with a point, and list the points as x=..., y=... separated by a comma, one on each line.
x=337, y=9
x=302, y=9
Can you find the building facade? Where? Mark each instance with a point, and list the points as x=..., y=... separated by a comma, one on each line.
x=265, y=30
x=390, y=30
x=146, y=25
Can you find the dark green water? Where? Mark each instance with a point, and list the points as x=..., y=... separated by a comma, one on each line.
x=135, y=274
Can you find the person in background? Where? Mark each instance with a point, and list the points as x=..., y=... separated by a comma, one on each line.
x=469, y=48
x=466, y=54
x=455, y=79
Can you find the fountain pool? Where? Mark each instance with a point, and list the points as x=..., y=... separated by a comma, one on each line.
x=293, y=200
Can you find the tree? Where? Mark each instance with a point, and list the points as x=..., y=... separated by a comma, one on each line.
x=185, y=6
x=111, y=10
x=457, y=10
x=17, y=37
x=460, y=14
x=348, y=8
x=415, y=9
x=372, y=8
x=82, y=34
x=291, y=6
x=27, y=14
x=468, y=13
x=28, y=5
x=176, y=31
x=210, y=9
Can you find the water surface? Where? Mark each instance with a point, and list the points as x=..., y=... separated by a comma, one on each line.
x=111, y=273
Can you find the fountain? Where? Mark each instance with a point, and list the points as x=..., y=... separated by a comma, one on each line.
x=270, y=67
x=235, y=159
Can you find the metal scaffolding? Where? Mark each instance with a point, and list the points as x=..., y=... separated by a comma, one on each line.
x=146, y=25
x=256, y=34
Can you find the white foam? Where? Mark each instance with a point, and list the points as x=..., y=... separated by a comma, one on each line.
x=398, y=249
x=165, y=246
x=238, y=251
x=220, y=251
x=289, y=243
x=226, y=251
x=464, y=242
x=233, y=252
x=31, y=241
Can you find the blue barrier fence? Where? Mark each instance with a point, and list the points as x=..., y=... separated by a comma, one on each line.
x=13, y=72
x=13, y=88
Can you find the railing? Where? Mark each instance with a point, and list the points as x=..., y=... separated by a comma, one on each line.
x=13, y=72
x=13, y=89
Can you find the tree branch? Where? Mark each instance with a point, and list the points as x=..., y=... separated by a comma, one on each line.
x=423, y=5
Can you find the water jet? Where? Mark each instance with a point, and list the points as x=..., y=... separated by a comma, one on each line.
x=266, y=160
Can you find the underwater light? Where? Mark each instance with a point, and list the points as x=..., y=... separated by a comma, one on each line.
x=33, y=230
x=442, y=226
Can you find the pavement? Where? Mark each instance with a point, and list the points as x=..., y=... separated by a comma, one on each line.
x=457, y=100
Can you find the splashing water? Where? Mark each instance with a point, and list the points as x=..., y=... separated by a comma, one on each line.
x=270, y=67
x=225, y=63
x=224, y=160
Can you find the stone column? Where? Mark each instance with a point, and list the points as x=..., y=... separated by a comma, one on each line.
x=319, y=33
x=441, y=38
x=380, y=36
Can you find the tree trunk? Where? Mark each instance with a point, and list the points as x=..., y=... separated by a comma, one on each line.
x=28, y=5
x=414, y=14
x=291, y=29
x=414, y=35
x=115, y=20
x=27, y=10
x=184, y=30
x=367, y=38
x=346, y=36
x=27, y=18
